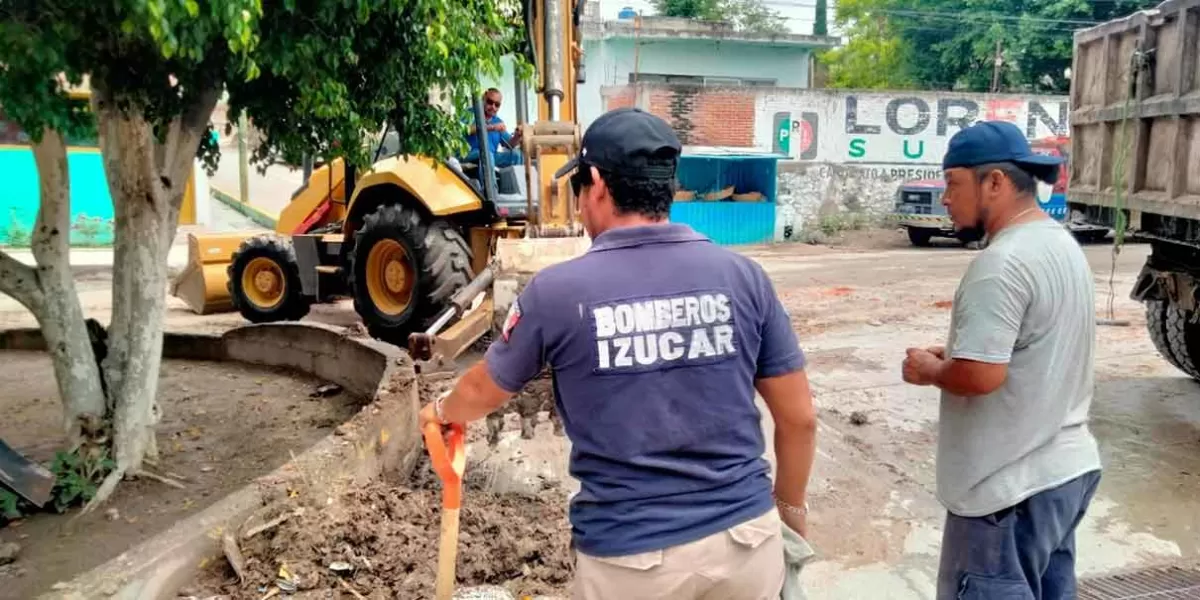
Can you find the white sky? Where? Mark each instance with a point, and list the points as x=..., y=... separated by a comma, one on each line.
x=798, y=13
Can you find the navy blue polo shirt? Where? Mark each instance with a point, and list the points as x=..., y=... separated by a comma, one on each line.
x=654, y=338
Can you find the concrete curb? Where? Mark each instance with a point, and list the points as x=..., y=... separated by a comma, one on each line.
x=381, y=439
x=254, y=214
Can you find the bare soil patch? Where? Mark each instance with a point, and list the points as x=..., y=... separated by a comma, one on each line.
x=223, y=425
x=382, y=542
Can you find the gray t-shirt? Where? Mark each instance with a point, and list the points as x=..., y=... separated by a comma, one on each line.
x=1027, y=300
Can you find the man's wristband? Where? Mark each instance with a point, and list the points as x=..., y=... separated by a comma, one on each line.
x=795, y=510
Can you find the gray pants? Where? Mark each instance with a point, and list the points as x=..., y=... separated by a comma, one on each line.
x=1024, y=552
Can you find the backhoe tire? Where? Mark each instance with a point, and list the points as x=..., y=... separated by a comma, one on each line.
x=1174, y=335
x=394, y=296
x=264, y=281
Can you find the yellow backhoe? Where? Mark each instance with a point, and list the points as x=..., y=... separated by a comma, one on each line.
x=420, y=245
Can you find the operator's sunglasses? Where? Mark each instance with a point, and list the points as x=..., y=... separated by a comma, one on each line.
x=495, y=103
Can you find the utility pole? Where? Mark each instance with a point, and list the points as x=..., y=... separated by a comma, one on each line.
x=243, y=160
x=996, y=68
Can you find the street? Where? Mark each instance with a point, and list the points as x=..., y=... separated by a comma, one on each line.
x=875, y=522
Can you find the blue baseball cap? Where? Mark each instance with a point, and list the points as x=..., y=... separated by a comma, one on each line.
x=998, y=141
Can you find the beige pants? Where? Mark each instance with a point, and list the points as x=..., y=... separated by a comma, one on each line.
x=744, y=562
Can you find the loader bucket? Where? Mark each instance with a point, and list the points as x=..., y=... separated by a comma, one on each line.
x=517, y=260
x=203, y=283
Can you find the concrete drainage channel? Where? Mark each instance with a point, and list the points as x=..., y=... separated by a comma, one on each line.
x=381, y=439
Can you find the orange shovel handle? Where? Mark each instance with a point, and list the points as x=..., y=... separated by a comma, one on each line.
x=448, y=455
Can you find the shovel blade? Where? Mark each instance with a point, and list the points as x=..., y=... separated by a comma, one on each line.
x=28, y=479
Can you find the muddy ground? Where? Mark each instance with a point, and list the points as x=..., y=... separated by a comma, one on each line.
x=382, y=542
x=224, y=424
x=856, y=304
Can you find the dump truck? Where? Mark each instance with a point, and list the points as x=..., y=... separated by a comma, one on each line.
x=408, y=238
x=1135, y=149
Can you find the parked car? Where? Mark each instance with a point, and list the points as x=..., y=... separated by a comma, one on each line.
x=919, y=203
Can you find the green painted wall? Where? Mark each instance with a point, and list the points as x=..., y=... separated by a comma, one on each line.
x=91, y=205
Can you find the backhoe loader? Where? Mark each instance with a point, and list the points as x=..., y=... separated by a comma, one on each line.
x=404, y=238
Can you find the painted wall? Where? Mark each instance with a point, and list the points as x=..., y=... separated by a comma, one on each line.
x=849, y=150
x=898, y=129
x=91, y=206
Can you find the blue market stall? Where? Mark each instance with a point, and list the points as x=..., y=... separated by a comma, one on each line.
x=727, y=194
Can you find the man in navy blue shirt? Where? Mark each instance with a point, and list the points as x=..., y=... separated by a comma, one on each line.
x=657, y=340
x=497, y=134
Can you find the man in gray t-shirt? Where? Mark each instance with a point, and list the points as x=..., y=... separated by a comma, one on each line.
x=1016, y=464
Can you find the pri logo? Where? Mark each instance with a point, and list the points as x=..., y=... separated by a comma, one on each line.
x=796, y=138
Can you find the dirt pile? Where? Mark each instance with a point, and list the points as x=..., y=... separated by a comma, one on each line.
x=525, y=408
x=382, y=542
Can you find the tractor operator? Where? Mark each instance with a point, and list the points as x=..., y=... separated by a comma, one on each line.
x=657, y=340
x=497, y=134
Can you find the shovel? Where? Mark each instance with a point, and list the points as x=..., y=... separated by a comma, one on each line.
x=28, y=479
x=449, y=459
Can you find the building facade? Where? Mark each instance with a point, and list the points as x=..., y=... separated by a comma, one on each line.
x=674, y=51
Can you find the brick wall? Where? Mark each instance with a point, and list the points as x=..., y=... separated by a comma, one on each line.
x=701, y=116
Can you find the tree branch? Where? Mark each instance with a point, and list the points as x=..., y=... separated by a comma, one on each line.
x=183, y=138
x=20, y=281
x=178, y=155
x=51, y=232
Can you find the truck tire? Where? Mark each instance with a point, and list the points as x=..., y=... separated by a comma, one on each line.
x=404, y=270
x=1174, y=335
x=919, y=236
x=264, y=280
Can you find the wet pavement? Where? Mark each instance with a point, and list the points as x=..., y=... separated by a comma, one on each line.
x=875, y=520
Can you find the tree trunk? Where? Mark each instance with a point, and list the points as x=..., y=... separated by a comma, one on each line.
x=147, y=182
x=48, y=291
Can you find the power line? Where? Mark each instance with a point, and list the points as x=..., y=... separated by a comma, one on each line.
x=990, y=14
x=927, y=24
x=981, y=15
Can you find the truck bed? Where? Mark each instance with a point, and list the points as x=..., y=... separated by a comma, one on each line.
x=1162, y=149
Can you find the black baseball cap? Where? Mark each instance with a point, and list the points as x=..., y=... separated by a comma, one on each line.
x=998, y=141
x=630, y=142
